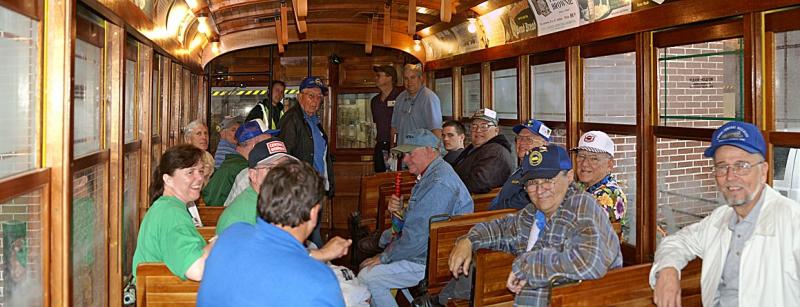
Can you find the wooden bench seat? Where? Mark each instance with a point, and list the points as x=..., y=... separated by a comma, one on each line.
x=209, y=215
x=369, y=194
x=157, y=286
x=483, y=201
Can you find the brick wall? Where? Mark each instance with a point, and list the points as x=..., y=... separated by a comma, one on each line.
x=28, y=288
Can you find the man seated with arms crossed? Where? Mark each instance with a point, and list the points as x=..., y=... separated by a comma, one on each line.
x=453, y=135
x=750, y=245
x=266, y=264
x=487, y=162
x=248, y=134
x=594, y=157
x=563, y=233
x=438, y=191
x=265, y=156
x=530, y=135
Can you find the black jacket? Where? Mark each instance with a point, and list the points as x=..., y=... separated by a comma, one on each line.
x=296, y=134
x=486, y=167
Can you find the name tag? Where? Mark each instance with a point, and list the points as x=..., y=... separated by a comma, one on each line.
x=390, y=103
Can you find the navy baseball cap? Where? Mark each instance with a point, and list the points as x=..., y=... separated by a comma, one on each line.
x=545, y=162
x=314, y=82
x=249, y=130
x=745, y=136
x=267, y=151
x=536, y=127
x=419, y=138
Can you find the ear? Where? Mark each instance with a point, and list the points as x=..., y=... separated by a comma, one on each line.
x=252, y=174
x=167, y=179
x=570, y=176
x=312, y=221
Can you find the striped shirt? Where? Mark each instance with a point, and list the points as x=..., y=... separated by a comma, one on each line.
x=577, y=243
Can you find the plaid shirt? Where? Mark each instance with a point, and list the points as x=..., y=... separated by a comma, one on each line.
x=577, y=243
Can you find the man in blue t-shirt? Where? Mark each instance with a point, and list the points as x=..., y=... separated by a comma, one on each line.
x=266, y=264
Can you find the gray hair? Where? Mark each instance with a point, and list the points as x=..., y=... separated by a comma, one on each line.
x=187, y=131
x=416, y=68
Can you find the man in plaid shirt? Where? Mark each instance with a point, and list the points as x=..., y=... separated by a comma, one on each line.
x=563, y=235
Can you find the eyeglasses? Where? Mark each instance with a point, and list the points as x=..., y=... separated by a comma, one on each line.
x=535, y=184
x=593, y=159
x=482, y=127
x=528, y=140
x=315, y=97
x=741, y=168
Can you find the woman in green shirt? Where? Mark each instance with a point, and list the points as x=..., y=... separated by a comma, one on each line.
x=167, y=233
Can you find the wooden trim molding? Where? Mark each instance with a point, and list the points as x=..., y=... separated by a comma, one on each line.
x=87, y=161
x=783, y=21
x=116, y=75
x=680, y=133
x=132, y=146
x=608, y=128
x=30, y=8
x=784, y=139
x=24, y=183
x=726, y=29
x=646, y=149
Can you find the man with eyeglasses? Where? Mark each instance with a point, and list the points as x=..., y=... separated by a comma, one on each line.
x=530, y=135
x=750, y=245
x=561, y=235
x=594, y=157
x=487, y=162
x=301, y=130
x=417, y=107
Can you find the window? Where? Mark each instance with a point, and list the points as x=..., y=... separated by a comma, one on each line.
x=89, y=241
x=355, y=128
x=20, y=87
x=700, y=84
x=130, y=100
x=786, y=171
x=548, y=91
x=444, y=89
x=787, y=81
x=504, y=92
x=471, y=93
x=130, y=214
x=87, y=91
x=625, y=172
x=609, y=89
x=21, y=232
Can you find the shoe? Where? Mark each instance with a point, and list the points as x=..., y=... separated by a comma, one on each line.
x=426, y=301
x=368, y=246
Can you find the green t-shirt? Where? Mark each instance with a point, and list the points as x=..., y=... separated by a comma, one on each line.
x=242, y=209
x=221, y=182
x=168, y=235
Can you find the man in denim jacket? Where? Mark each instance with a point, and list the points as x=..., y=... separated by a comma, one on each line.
x=438, y=191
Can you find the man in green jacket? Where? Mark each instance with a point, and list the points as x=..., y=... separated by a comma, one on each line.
x=220, y=184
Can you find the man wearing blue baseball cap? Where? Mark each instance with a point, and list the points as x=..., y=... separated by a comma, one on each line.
x=562, y=234
x=750, y=245
x=530, y=134
x=220, y=184
x=305, y=138
x=438, y=191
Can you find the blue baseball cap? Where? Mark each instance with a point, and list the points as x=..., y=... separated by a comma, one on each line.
x=536, y=127
x=545, y=162
x=419, y=138
x=249, y=130
x=314, y=82
x=745, y=136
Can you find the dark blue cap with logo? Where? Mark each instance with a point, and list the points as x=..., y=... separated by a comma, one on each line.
x=249, y=130
x=536, y=127
x=745, y=136
x=545, y=162
x=314, y=82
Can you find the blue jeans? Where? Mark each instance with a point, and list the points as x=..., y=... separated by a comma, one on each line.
x=382, y=278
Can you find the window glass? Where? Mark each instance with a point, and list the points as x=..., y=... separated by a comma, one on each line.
x=354, y=125
x=548, y=91
x=559, y=137
x=89, y=241
x=21, y=238
x=609, y=89
x=146, y=87
x=444, y=89
x=786, y=171
x=130, y=215
x=87, y=94
x=687, y=190
x=504, y=92
x=787, y=81
x=470, y=94
x=625, y=172
x=700, y=85
x=19, y=58
x=130, y=100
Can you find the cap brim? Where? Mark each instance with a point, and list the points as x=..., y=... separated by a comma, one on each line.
x=486, y=118
x=590, y=149
x=406, y=148
x=275, y=157
x=539, y=174
x=709, y=153
x=273, y=132
x=518, y=128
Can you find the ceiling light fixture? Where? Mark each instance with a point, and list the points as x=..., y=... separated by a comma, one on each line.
x=417, y=43
x=472, y=27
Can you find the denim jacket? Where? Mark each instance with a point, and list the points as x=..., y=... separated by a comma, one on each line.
x=438, y=191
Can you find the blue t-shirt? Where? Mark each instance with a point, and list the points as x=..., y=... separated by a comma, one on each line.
x=320, y=146
x=263, y=265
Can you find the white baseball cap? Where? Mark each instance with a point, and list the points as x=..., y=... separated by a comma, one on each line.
x=596, y=141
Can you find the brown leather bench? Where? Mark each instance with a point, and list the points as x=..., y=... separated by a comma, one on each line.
x=157, y=286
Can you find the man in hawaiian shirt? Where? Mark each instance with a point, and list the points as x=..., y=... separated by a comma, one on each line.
x=594, y=157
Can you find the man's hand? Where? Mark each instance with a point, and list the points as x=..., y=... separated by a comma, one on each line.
x=333, y=249
x=370, y=262
x=394, y=204
x=461, y=257
x=515, y=284
x=668, y=289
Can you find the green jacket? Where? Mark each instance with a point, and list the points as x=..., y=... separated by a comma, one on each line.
x=215, y=193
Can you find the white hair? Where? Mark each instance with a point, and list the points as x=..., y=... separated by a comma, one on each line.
x=187, y=131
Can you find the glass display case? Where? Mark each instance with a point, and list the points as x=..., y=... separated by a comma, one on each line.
x=355, y=128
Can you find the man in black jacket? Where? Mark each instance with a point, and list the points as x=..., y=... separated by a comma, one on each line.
x=305, y=138
x=270, y=110
x=488, y=161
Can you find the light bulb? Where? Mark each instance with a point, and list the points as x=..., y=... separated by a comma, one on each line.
x=472, y=27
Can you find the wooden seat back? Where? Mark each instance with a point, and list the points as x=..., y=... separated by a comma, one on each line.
x=209, y=215
x=157, y=286
x=207, y=232
x=368, y=195
x=443, y=236
x=483, y=201
x=384, y=219
x=627, y=286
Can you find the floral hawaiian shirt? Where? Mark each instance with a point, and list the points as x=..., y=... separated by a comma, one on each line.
x=610, y=196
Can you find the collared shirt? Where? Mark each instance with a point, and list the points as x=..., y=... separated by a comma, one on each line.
x=382, y=114
x=320, y=146
x=223, y=149
x=422, y=110
x=512, y=195
x=242, y=209
x=240, y=183
x=612, y=199
x=576, y=243
x=728, y=292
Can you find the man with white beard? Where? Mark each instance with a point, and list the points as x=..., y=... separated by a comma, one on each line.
x=750, y=245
